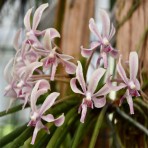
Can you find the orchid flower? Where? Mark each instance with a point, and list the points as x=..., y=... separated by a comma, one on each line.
x=32, y=29
x=90, y=99
x=132, y=84
x=12, y=83
x=103, y=42
x=52, y=58
x=38, y=113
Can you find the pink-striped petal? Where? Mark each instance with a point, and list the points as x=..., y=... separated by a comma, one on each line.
x=137, y=84
x=54, y=33
x=114, y=53
x=47, y=40
x=99, y=102
x=41, y=87
x=83, y=113
x=129, y=101
x=93, y=28
x=64, y=56
x=112, y=32
x=105, y=22
x=70, y=67
x=38, y=127
x=74, y=86
x=114, y=88
x=95, y=78
x=121, y=71
x=80, y=77
x=37, y=15
x=87, y=52
x=48, y=118
x=103, y=91
x=27, y=20
x=53, y=70
x=60, y=120
x=133, y=65
x=29, y=69
x=48, y=102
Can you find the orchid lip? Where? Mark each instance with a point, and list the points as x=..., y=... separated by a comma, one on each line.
x=89, y=103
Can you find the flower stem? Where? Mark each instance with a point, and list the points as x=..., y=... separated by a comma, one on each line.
x=132, y=121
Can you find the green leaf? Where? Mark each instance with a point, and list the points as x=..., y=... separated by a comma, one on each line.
x=45, y=138
x=97, y=127
x=61, y=129
x=81, y=130
x=13, y=135
x=141, y=102
x=19, y=141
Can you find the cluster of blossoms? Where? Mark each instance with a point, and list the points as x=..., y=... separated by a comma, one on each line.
x=38, y=55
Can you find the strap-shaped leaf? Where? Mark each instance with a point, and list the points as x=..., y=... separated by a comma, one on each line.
x=97, y=127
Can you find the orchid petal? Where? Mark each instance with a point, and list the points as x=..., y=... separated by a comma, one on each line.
x=64, y=57
x=48, y=102
x=26, y=100
x=27, y=20
x=99, y=102
x=53, y=70
x=103, y=91
x=29, y=69
x=83, y=113
x=54, y=33
x=80, y=77
x=133, y=65
x=93, y=28
x=88, y=52
x=37, y=15
x=121, y=71
x=40, y=88
x=105, y=22
x=95, y=78
x=98, y=61
x=115, y=88
x=114, y=53
x=112, y=32
x=129, y=101
x=60, y=120
x=48, y=118
x=47, y=40
x=38, y=127
x=137, y=84
x=16, y=39
x=10, y=92
x=70, y=67
x=74, y=86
